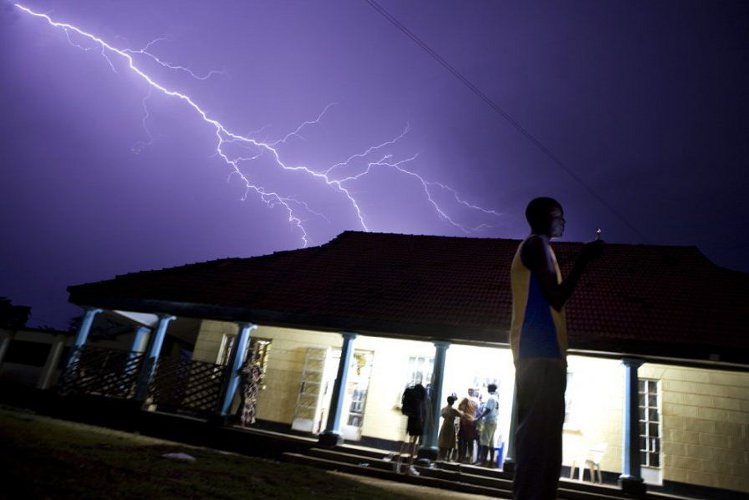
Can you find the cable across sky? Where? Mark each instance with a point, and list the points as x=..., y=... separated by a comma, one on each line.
x=505, y=115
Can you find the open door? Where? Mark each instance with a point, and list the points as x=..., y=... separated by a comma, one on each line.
x=355, y=399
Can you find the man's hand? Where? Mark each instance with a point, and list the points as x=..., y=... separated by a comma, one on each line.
x=591, y=251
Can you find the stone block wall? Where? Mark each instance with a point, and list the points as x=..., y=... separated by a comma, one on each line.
x=705, y=426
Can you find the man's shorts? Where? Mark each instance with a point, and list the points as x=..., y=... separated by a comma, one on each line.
x=487, y=434
x=415, y=426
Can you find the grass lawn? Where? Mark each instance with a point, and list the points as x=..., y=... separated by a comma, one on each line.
x=41, y=457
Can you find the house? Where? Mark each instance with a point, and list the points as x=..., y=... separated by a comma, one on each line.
x=28, y=356
x=34, y=357
x=658, y=387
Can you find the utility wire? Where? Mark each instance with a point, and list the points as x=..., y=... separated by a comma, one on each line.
x=504, y=114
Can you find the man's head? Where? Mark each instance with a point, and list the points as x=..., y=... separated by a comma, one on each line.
x=545, y=216
x=491, y=388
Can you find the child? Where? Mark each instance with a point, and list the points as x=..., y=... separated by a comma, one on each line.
x=447, y=435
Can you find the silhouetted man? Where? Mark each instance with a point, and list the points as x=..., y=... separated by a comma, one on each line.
x=538, y=336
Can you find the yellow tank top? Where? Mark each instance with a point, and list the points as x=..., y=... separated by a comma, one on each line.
x=537, y=330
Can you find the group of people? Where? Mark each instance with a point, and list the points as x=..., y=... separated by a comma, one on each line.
x=473, y=423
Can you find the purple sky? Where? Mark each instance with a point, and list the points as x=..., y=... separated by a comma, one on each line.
x=646, y=102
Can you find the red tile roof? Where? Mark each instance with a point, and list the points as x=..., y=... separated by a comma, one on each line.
x=637, y=299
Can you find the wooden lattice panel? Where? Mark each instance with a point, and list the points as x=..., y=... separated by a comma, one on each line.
x=101, y=371
x=187, y=386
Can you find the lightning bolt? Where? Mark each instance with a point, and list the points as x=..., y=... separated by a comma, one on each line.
x=144, y=51
x=334, y=177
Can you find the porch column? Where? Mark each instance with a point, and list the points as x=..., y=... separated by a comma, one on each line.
x=236, y=360
x=149, y=363
x=630, y=481
x=332, y=435
x=140, y=338
x=429, y=448
x=52, y=363
x=138, y=346
x=82, y=335
x=4, y=344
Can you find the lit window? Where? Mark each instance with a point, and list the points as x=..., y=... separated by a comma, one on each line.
x=224, y=352
x=650, y=423
x=420, y=370
x=257, y=351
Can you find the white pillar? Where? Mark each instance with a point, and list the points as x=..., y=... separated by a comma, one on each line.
x=52, y=363
x=332, y=434
x=149, y=363
x=140, y=339
x=82, y=335
x=236, y=361
x=4, y=344
x=631, y=480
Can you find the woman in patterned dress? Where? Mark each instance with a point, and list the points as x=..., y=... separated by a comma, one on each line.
x=250, y=376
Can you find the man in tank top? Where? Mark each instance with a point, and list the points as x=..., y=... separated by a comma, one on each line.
x=538, y=336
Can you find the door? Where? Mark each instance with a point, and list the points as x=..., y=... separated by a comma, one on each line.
x=355, y=398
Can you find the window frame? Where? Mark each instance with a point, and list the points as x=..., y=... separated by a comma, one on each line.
x=653, y=441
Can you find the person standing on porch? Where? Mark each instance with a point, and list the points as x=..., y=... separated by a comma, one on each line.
x=448, y=436
x=489, y=427
x=415, y=408
x=467, y=434
x=538, y=337
x=250, y=376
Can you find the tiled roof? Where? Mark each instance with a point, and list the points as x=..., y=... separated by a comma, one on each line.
x=637, y=299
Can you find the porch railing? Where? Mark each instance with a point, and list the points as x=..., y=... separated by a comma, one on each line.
x=178, y=385
x=187, y=386
x=101, y=371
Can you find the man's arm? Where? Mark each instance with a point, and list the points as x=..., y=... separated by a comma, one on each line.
x=536, y=256
x=488, y=408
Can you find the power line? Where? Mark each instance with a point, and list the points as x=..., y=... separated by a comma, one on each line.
x=504, y=114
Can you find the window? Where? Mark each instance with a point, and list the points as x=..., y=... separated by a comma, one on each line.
x=224, y=352
x=650, y=422
x=25, y=352
x=356, y=409
x=257, y=351
x=420, y=370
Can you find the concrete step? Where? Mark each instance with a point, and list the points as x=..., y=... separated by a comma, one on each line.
x=570, y=486
x=473, y=475
x=458, y=477
x=366, y=469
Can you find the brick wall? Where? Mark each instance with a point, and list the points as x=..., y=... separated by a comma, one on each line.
x=209, y=339
x=705, y=426
x=285, y=365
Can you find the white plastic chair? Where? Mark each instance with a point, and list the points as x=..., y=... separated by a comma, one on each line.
x=590, y=460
